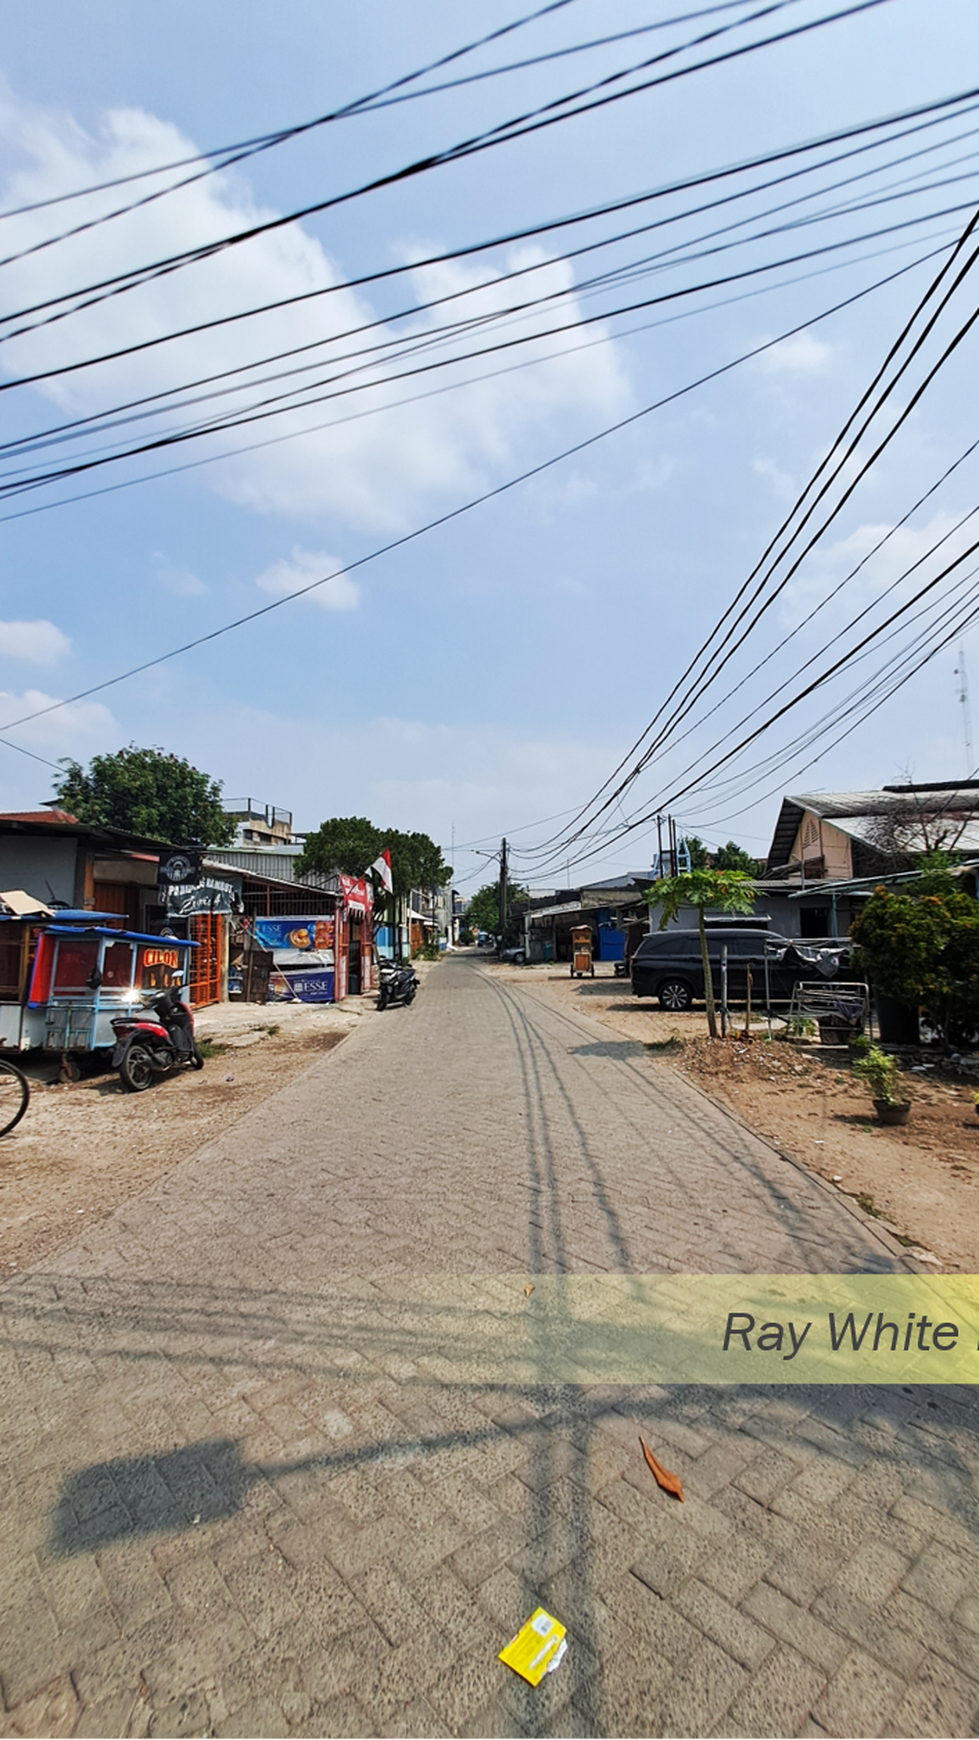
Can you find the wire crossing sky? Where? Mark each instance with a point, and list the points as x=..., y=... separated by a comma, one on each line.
x=528, y=350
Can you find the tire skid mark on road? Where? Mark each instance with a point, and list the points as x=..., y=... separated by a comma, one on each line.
x=563, y=1402
x=537, y=1039
x=795, y=1217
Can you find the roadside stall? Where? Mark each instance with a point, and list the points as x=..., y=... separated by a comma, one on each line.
x=581, y=951
x=73, y=978
x=302, y=951
x=354, y=937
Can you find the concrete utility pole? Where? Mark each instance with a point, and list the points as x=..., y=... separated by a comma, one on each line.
x=503, y=873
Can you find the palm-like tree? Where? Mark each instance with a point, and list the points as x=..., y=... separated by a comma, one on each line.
x=704, y=890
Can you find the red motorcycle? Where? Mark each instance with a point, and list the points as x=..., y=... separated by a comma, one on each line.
x=146, y=1047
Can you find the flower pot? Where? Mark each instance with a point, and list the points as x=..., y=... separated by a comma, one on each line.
x=892, y=1111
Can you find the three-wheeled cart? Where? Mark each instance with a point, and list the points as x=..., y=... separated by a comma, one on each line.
x=75, y=978
x=581, y=951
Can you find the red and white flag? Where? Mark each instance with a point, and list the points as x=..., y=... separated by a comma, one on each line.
x=383, y=867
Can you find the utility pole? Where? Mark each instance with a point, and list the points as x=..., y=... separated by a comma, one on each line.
x=503, y=875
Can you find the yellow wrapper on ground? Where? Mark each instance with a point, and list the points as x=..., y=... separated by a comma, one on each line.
x=534, y=1649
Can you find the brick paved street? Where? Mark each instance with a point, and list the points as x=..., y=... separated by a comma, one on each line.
x=235, y=1499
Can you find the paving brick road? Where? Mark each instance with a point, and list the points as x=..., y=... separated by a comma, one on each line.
x=236, y=1499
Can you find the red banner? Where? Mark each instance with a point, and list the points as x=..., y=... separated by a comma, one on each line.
x=358, y=896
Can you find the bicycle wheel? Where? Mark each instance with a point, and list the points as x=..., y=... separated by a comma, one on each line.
x=14, y=1095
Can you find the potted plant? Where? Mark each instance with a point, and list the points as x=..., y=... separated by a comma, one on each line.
x=884, y=1079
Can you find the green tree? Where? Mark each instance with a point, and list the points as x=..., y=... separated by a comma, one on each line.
x=922, y=949
x=704, y=890
x=149, y=792
x=734, y=857
x=729, y=857
x=346, y=843
x=699, y=852
x=416, y=862
x=352, y=844
x=483, y=911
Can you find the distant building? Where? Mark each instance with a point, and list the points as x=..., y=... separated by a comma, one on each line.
x=839, y=836
x=259, y=824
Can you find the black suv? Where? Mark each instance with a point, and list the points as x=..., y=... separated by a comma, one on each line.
x=668, y=965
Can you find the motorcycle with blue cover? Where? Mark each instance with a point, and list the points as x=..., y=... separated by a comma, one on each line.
x=398, y=985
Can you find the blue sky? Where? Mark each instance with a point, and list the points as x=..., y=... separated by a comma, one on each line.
x=495, y=671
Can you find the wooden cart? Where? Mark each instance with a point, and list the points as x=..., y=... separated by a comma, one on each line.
x=581, y=951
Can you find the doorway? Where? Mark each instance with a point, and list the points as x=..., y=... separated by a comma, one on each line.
x=353, y=954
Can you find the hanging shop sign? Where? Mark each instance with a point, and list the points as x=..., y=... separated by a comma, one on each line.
x=358, y=895
x=180, y=867
x=211, y=892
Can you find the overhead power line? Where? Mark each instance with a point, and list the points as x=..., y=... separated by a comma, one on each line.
x=229, y=421
x=939, y=110
x=223, y=156
x=455, y=513
x=491, y=374
x=228, y=156
x=519, y=127
x=165, y=401
x=833, y=462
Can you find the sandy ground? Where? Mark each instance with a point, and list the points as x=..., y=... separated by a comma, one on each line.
x=923, y=1181
x=84, y=1148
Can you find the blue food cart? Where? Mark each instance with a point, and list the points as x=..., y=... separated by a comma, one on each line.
x=76, y=976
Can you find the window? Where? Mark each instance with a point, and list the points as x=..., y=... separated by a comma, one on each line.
x=117, y=966
x=77, y=962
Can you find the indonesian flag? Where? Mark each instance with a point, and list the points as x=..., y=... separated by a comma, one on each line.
x=382, y=866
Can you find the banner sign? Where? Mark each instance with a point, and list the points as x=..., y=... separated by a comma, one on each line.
x=358, y=895
x=283, y=935
x=314, y=986
x=180, y=866
x=212, y=893
x=302, y=952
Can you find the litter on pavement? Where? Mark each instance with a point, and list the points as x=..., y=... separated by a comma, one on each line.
x=538, y=1648
x=669, y=1482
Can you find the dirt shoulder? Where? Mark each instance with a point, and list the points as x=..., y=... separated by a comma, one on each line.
x=82, y=1149
x=922, y=1181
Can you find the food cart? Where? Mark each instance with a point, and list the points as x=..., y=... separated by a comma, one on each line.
x=74, y=978
x=581, y=951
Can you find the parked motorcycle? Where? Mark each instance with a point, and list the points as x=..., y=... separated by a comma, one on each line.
x=146, y=1047
x=398, y=985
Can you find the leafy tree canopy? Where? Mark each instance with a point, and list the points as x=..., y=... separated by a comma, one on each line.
x=699, y=852
x=352, y=844
x=483, y=911
x=705, y=891
x=149, y=792
x=734, y=857
x=729, y=857
x=923, y=950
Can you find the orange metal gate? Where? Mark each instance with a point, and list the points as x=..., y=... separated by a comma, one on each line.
x=207, y=929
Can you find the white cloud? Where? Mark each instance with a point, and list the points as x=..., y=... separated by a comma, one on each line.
x=40, y=643
x=780, y=480
x=77, y=729
x=906, y=546
x=374, y=472
x=800, y=355
x=306, y=566
x=179, y=581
